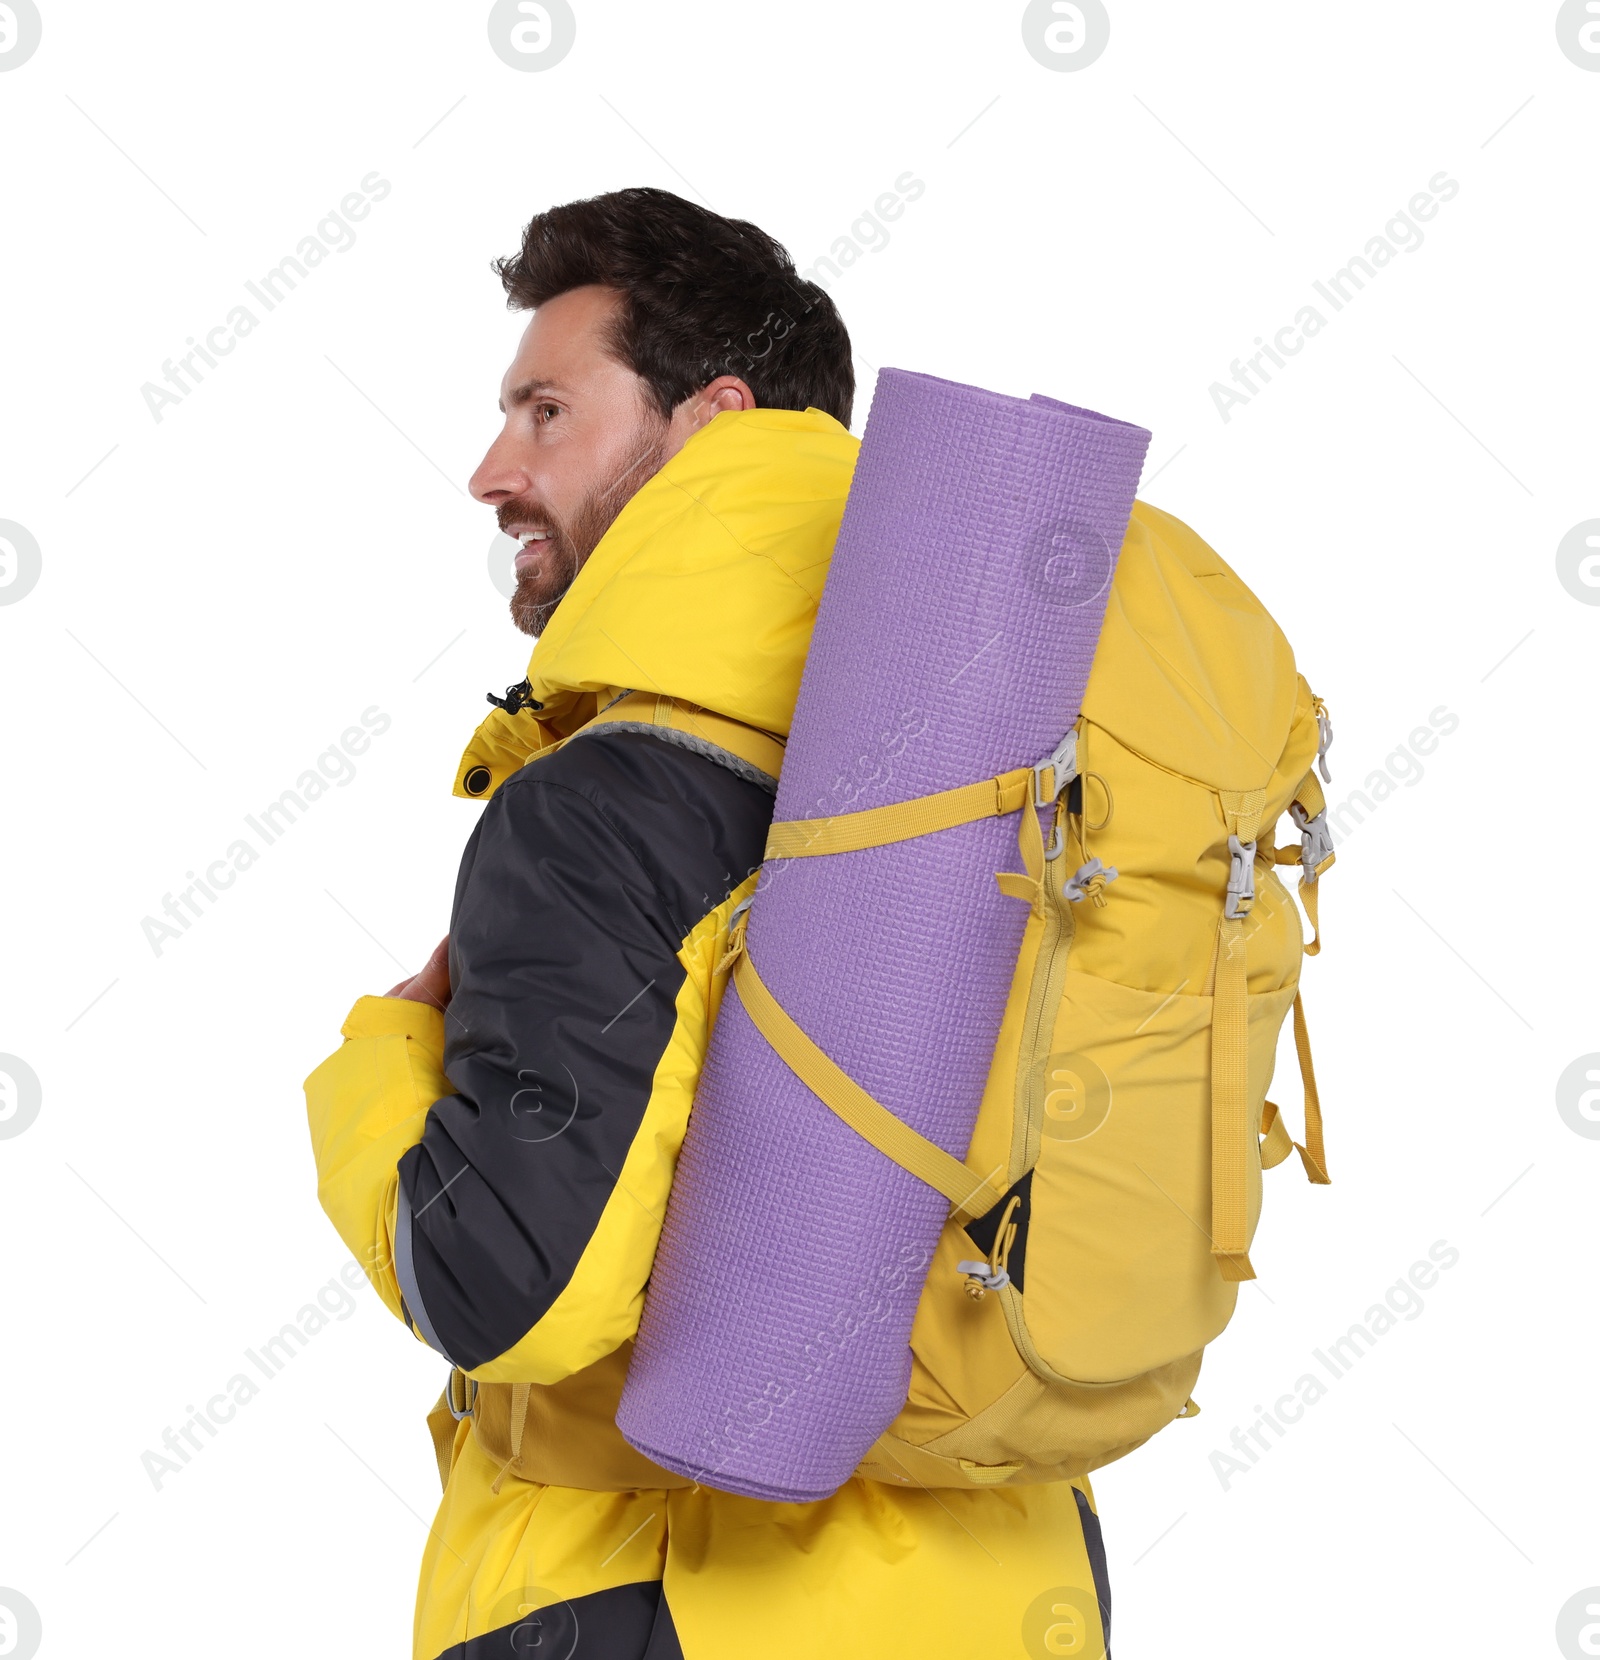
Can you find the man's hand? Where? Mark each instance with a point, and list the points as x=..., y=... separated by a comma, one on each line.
x=432, y=984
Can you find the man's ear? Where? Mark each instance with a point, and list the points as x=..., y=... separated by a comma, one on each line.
x=726, y=392
x=702, y=407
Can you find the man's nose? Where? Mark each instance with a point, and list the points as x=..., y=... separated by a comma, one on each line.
x=498, y=477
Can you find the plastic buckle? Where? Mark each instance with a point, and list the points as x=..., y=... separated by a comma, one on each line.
x=1324, y=741
x=1062, y=765
x=738, y=921
x=468, y=1393
x=1316, y=841
x=1241, y=878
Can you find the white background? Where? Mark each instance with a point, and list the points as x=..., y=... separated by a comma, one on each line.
x=230, y=587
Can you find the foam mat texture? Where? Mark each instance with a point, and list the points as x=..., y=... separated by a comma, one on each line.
x=953, y=642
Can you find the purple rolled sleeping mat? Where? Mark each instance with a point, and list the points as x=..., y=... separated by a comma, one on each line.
x=953, y=643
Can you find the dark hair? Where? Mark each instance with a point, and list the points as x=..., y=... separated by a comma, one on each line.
x=702, y=296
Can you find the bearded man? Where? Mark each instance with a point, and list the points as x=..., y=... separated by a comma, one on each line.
x=495, y=1138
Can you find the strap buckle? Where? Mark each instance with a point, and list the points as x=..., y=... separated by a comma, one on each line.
x=738, y=921
x=1241, y=878
x=1051, y=776
x=458, y=1386
x=1061, y=765
x=1316, y=841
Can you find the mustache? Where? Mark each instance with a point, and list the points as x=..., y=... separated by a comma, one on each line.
x=527, y=510
x=608, y=500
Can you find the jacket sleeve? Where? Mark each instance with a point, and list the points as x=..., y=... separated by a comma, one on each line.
x=366, y=1105
x=527, y=1214
x=503, y=1170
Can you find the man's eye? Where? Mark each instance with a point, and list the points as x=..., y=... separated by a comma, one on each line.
x=546, y=412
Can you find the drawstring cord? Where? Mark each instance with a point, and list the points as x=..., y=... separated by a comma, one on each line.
x=1089, y=882
x=519, y=1418
x=1090, y=879
x=991, y=1275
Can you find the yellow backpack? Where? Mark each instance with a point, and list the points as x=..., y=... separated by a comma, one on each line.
x=1103, y=1218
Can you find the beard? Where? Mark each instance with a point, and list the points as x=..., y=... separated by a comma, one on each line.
x=572, y=538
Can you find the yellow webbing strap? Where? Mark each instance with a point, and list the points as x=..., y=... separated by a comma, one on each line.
x=1276, y=1142
x=1310, y=796
x=879, y=826
x=1308, y=898
x=969, y=1193
x=1230, y=1126
x=1312, y=801
x=760, y=749
x=1028, y=883
x=1312, y=1155
x=1232, y=1135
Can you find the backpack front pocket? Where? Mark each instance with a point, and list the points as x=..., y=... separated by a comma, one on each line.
x=1120, y=1276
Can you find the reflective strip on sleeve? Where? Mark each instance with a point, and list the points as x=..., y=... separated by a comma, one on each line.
x=405, y=1272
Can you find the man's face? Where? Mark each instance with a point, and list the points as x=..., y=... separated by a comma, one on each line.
x=580, y=437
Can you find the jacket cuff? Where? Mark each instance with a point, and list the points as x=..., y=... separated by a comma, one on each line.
x=396, y=1017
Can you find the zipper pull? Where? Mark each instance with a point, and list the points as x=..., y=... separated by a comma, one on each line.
x=517, y=698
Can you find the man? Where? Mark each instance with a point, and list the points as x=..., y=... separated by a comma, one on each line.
x=495, y=1139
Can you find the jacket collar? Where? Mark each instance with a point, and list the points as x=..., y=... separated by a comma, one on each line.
x=704, y=590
